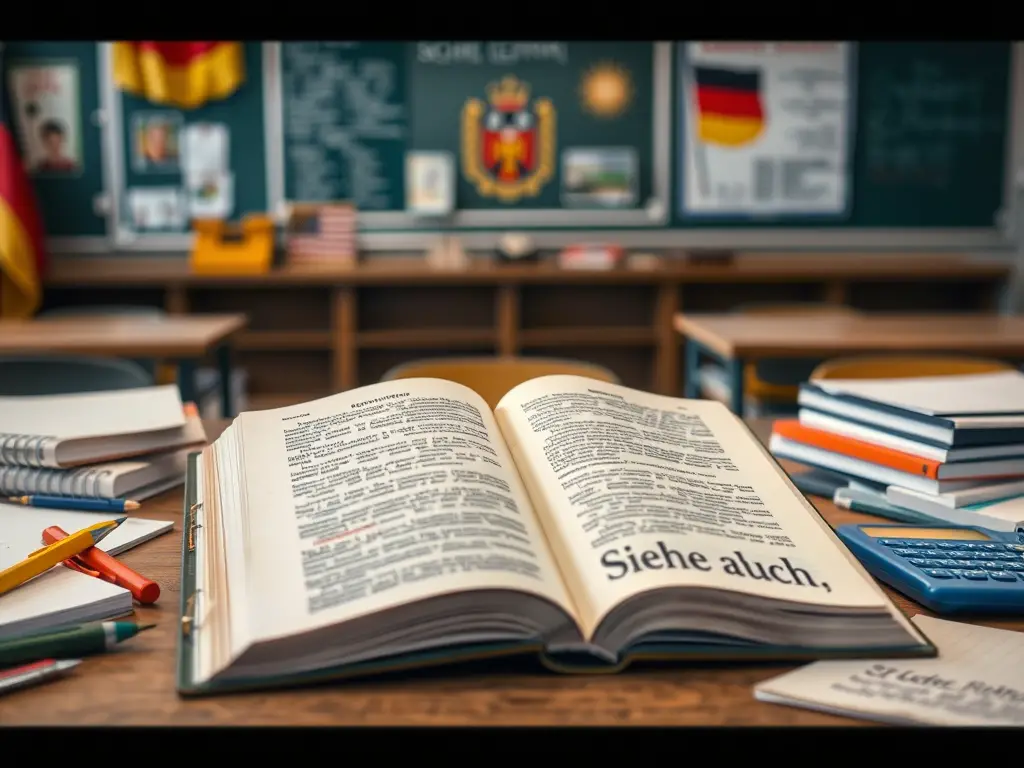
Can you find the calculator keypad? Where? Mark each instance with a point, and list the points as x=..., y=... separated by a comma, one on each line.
x=972, y=561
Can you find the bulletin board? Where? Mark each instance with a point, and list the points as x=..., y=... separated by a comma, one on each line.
x=155, y=172
x=67, y=194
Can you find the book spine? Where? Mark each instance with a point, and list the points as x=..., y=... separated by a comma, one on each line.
x=26, y=450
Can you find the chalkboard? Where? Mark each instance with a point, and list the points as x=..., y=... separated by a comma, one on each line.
x=443, y=83
x=242, y=113
x=66, y=202
x=344, y=123
x=352, y=110
x=930, y=138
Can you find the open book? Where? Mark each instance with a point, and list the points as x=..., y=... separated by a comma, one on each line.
x=405, y=524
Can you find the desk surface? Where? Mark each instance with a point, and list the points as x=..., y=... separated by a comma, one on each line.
x=136, y=685
x=799, y=335
x=184, y=336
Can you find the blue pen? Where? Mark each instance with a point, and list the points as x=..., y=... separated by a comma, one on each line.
x=77, y=504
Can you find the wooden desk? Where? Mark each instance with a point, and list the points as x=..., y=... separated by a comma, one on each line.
x=736, y=339
x=136, y=685
x=185, y=340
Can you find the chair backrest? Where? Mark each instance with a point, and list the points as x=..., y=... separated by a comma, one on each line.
x=904, y=367
x=60, y=375
x=492, y=377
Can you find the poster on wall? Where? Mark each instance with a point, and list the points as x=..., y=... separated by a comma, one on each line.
x=766, y=128
x=47, y=108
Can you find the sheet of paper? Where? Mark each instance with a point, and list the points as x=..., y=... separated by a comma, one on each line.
x=766, y=128
x=205, y=149
x=157, y=208
x=21, y=529
x=973, y=394
x=211, y=195
x=977, y=679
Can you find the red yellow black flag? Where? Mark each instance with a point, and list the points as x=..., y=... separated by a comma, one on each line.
x=729, y=108
x=181, y=73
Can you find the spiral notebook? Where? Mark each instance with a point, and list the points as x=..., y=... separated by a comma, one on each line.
x=60, y=431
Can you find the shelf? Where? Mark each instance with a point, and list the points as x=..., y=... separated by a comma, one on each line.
x=283, y=340
x=427, y=338
x=598, y=337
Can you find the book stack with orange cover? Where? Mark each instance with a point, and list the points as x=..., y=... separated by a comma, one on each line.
x=949, y=447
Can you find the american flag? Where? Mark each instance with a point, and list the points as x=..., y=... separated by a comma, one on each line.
x=332, y=236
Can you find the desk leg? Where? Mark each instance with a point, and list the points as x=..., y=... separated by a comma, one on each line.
x=227, y=408
x=187, y=381
x=691, y=367
x=735, y=368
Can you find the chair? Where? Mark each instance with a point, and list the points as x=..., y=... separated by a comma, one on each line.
x=771, y=386
x=60, y=375
x=492, y=377
x=905, y=366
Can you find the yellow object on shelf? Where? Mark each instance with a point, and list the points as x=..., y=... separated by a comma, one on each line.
x=224, y=249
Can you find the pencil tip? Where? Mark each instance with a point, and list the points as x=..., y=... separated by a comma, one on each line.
x=132, y=505
x=120, y=520
x=144, y=627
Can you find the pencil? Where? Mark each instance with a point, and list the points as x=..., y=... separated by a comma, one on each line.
x=44, y=559
x=77, y=504
x=71, y=642
x=33, y=674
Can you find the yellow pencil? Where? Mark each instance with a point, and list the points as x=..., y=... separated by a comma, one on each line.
x=44, y=559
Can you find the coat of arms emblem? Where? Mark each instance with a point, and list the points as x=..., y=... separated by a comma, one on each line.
x=508, y=144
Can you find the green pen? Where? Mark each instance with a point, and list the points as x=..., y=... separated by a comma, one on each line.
x=68, y=643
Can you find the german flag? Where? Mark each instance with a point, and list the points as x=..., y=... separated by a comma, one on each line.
x=22, y=257
x=184, y=74
x=728, y=105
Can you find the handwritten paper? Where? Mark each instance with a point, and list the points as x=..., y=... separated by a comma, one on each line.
x=977, y=679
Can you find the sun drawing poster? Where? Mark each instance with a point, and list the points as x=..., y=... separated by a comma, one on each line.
x=766, y=128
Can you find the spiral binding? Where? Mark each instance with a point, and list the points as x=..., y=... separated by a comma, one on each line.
x=24, y=450
x=86, y=482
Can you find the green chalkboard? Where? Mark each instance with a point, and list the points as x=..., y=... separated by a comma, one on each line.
x=242, y=113
x=443, y=80
x=344, y=123
x=66, y=199
x=929, y=142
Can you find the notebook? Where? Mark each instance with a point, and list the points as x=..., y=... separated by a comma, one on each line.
x=62, y=596
x=586, y=524
x=135, y=479
x=69, y=430
x=977, y=680
x=953, y=411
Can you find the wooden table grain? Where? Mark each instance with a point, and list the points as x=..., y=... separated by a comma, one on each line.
x=135, y=685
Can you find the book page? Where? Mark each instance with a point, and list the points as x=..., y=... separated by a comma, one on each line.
x=639, y=491
x=977, y=679
x=382, y=496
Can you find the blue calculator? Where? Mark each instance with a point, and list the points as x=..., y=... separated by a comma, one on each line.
x=948, y=570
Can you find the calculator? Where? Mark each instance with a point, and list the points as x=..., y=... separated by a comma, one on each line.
x=948, y=570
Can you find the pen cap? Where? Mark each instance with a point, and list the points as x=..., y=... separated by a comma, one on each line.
x=142, y=589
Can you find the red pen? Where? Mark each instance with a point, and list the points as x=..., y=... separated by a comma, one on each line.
x=97, y=563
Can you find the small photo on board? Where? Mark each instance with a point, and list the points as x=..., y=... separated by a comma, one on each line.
x=429, y=183
x=156, y=142
x=157, y=209
x=599, y=178
x=48, y=116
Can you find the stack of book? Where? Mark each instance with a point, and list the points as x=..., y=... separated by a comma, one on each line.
x=947, y=448
x=102, y=445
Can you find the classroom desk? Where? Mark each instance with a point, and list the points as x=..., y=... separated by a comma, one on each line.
x=184, y=339
x=136, y=686
x=738, y=339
